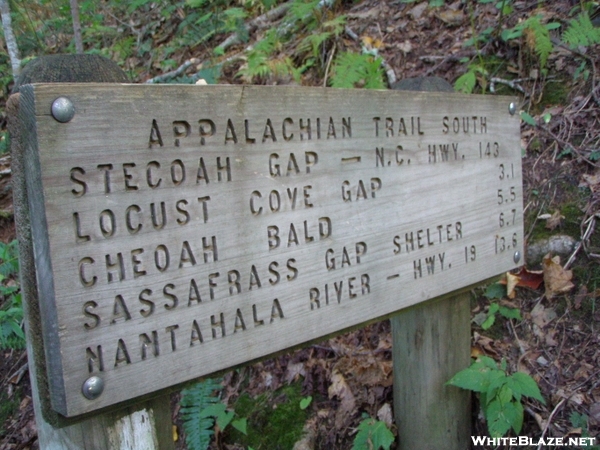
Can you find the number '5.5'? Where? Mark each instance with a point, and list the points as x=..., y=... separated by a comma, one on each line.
x=505, y=197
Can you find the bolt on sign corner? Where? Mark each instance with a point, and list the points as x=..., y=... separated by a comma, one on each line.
x=183, y=230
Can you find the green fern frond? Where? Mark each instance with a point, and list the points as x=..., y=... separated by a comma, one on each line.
x=541, y=35
x=581, y=31
x=312, y=43
x=284, y=67
x=194, y=400
x=257, y=59
x=336, y=25
x=9, y=258
x=302, y=9
x=353, y=69
x=329, y=29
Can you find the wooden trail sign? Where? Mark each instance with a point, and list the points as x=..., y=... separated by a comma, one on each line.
x=181, y=230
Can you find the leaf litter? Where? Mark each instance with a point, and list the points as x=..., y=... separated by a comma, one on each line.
x=557, y=342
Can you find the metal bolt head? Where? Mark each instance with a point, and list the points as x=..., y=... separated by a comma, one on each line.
x=92, y=388
x=63, y=109
x=512, y=108
x=517, y=257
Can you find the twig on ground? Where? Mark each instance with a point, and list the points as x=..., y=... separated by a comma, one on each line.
x=549, y=421
x=259, y=23
x=173, y=73
x=444, y=60
x=329, y=64
x=510, y=83
x=588, y=233
x=565, y=144
x=521, y=348
x=580, y=244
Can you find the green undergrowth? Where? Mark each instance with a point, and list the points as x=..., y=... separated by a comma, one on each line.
x=8, y=407
x=570, y=224
x=556, y=92
x=275, y=419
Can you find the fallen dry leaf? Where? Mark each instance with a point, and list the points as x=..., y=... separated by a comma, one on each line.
x=405, y=46
x=541, y=316
x=451, y=17
x=512, y=281
x=531, y=279
x=591, y=181
x=484, y=343
x=339, y=388
x=294, y=371
x=556, y=279
x=554, y=220
x=366, y=370
x=385, y=414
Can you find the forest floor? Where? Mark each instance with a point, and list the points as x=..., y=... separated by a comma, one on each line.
x=557, y=341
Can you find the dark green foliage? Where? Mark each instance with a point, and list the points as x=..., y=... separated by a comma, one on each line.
x=194, y=401
x=372, y=435
x=275, y=420
x=209, y=18
x=9, y=406
x=581, y=31
x=500, y=394
x=11, y=310
x=495, y=291
x=357, y=70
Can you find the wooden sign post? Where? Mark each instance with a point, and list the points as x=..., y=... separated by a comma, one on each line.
x=180, y=231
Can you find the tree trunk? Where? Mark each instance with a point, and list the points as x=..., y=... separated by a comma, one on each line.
x=76, y=27
x=11, y=42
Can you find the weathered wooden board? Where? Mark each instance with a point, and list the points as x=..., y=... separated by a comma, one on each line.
x=181, y=230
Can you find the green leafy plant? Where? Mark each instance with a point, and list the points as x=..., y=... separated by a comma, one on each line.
x=495, y=308
x=305, y=402
x=313, y=42
x=201, y=408
x=498, y=291
x=466, y=83
x=260, y=63
x=11, y=312
x=528, y=119
x=500, y=394
x=357, y=70
x=581, y=31
x=4, y=143
x=537, y=36
x=372, y=435
x=275, y=419
x=579, y=420
x=195, y=400
x=224, y=417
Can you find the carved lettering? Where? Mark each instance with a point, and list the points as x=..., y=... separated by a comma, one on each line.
x=298, y=234
x=337, y=291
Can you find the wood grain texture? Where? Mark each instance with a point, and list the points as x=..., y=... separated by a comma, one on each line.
x=189, y=229
x=430, y=345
